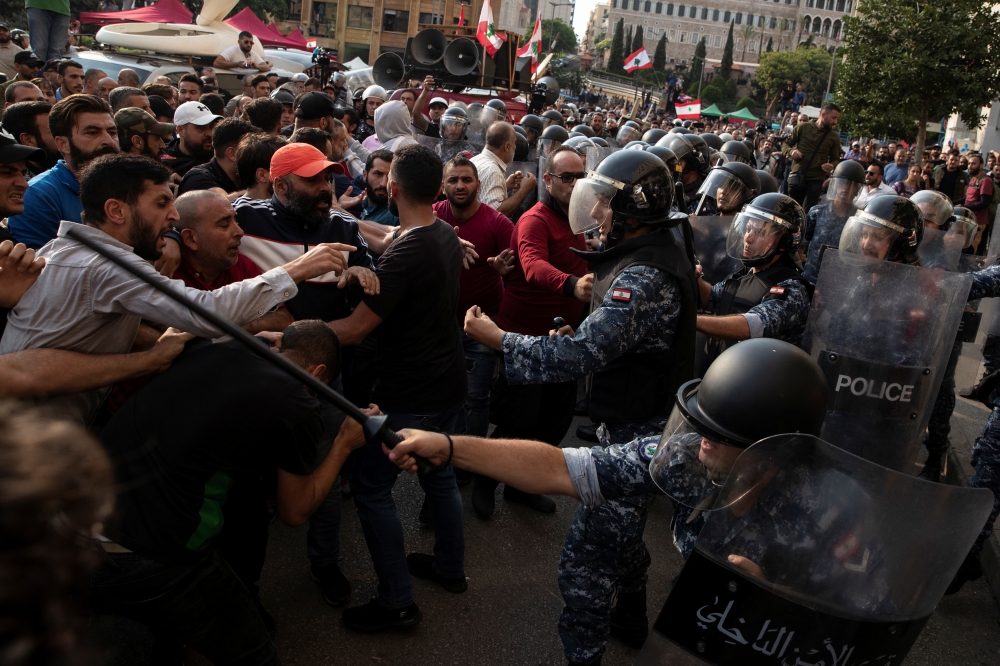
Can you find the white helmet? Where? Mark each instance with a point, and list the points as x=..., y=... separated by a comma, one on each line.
x=299, y=78
x=726, y=136
x=375, y=91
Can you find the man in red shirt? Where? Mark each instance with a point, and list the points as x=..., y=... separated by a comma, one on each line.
x=489, y=231
x=979, y=196
x=548, y=280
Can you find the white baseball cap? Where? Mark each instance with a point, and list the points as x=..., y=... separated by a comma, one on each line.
x=193, y=113
x=438, y=100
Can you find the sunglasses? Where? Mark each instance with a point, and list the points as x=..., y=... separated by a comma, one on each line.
x=568, y=178
x=871, y=173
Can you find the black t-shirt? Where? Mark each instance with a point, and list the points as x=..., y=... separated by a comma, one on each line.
x=948, y=180
x=220, y=416
x=205, y=177
x=421, y=363
x=178, y=162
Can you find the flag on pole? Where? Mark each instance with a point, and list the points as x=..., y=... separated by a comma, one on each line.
x=638, y=60
x=486, y=34
x=690, y=110
x=461, y=20
x=533, y=49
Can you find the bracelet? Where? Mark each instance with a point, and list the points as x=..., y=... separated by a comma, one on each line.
x=451, y=451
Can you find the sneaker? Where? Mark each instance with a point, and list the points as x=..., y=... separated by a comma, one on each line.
x=373, y=616
x=970, y=570
x=332, y=583
x=484, y=496
x=539, y=503
x=425, y=516
x=421, y=565
x=587, y=433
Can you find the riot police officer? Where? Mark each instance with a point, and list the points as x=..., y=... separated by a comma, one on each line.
x=825, y=222
x=552, y=137
x=736, y=151
x=725, y=190
x=372, y=98
x=628, y=132
x=533, y=127
x=767, y=297
x=339, y=80
x=755, y=390
x=692, y=152
x=767, y=182
x=553, y=117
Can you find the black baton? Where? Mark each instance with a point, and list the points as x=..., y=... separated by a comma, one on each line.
x=374, y=426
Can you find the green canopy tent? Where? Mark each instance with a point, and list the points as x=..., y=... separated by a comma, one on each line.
x=744, y=114
x=712, y=111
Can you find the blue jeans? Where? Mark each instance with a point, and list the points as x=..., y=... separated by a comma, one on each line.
x=481, y=366
x=372, y=482
x=48, y=32
x=199, y=603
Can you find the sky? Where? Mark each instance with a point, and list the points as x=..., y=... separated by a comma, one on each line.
x=580, y=16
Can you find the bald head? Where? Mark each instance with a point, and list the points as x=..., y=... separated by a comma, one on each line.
x=128, y=77
x=210, y=236
x=501, y=141
x=197, y=206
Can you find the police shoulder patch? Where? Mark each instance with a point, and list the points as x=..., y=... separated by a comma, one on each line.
x=619, y=294
x=776, y=290
x=647, y=451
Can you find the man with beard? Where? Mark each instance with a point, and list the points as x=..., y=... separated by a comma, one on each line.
x=26, y=65
x=597, y=123
x=978, y=196
x=28, y=123
x=300, y=215
x=219, y=174
x=140, y=134
x=82, y=128
x=70, y=79
x=193, y=145
x=376, y=207
x=482, y=284
x=83, y=302
x=190, y=88
x=8, y=52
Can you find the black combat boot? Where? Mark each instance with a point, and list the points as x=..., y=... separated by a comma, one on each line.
x=628, y=619
x=933, y=467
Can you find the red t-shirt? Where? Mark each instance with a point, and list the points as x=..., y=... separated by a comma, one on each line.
x=489, y=231
x=243, y=269
x=542, y=241
x=972, y=194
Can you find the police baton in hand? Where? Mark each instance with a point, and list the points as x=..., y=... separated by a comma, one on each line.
x=373, y=426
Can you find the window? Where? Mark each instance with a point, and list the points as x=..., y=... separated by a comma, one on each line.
x=635, y=5
x=684, y=37
x=352, y=51
x=680, y=10
x=670, y=9
x=836, y=30
x=773, y=24
x=650, y=32
x=809, y=3
x=749, y=19
x=760, y=21
x=648, y=6
x=727, y=17
x=752, y=46
x=718, y=41
x=693, y=12
x=323, y=22
x=426, y=17
x=659, y=8
x=739, y=18
x=849, y=3
x=671, y=35
x=840, y=5
x=359, y=17
x=395, y=20
x=790, y=24
x=704, y=13
x=614, y=4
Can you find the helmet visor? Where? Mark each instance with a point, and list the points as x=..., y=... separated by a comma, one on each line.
x=754, y=234
x=547, y=146
x=688, y=467
x=842, y=190
x=727, y=190
x=628, y=133
x=590, y=205
x=453, y=128
x=360, y=80
x=868, y=235
x=936, y=210
x=963, y=229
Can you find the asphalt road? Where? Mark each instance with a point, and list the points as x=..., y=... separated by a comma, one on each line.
x=509, y=613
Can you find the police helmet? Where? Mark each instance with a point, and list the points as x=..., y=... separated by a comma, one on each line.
x=533, y=122
x=768, y=183
x=936, y=208
x=585, y=130
x=849, y=170
x=498, y=107
x=579, y=143
x=555, y=133
x=730, y=185
x=375, y=91
x=520, y=131
x=888, y=227
x=726, y=136
x=692, y=151
x=629, y=188
x=776, y=222
x=677, y=122
x=679, y=130
x=653, y=135
x=686, y=123
x=736, y=151
x=751, y=133
x=521, y=148
x=666, y=155
x=552, y=117
x=573, y=133
x=713, y=140
x=357, y=95
x=966, y=225
x=338, y=79
x=454, y=122
x=635, y=145
x=600, y=142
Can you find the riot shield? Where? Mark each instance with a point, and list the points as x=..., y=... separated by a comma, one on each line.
x=882, y=332
x=359, y=79
x=597, y=155
x=848, y=561
x=710, y=233
x=940, y=249
x=448, y=149
x=532, y=198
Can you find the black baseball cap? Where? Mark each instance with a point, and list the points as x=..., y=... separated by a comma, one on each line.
x=4, y=26
x=161, y=107
x=52, y=65
x=314, y=105
x=12, y=151
x=26, y=58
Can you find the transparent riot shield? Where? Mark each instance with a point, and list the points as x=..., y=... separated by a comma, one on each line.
x=882, y=333
x=940, y=249
x=524, y=168
x=448, y=149
x=359, y=79
x=597, y=155
x=710, y=233
x=816, y=557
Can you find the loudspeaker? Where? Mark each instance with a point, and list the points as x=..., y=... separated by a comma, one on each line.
x=388, y=70
x=428, y=47
x=461, y=57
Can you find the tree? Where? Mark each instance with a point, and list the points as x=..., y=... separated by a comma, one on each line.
x=933, y=60
x=770, y=45
x=554, y=29
x=636, y=40
x=627, y=44
x=697, y=64
x=727, y=55
x=660, y=57
x=615, y=59
x=810, y=67
x=746, y=32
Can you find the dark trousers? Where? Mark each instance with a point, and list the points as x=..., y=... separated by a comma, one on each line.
x=243, y=539
x=808, y=194
x=199, y=603
x=939, y=425
x=532, y=411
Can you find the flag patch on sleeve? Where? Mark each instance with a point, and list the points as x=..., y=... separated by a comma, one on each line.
x=624, y=295
x=777, y=290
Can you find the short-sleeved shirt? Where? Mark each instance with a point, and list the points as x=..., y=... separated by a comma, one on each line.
x=421, y=362
x=175, y=473
x=974, y=191
x=235, y=54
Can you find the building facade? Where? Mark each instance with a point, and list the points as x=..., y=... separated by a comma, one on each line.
x=785, y=23
x=597, y=25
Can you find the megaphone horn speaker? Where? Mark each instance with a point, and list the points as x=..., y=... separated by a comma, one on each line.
x=461, y=57
x=388, y=70
x=428, y=46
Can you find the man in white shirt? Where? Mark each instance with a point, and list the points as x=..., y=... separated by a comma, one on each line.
x=242, y=56
x=873, y=187
x=8, y=49
x=494, y=183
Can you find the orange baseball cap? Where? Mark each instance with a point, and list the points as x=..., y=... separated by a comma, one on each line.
x=300, y=159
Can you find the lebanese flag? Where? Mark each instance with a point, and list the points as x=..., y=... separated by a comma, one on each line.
x=638, y=60
x=486, y=34
x=461, y=19
x=533, y=49
x=689, y=111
